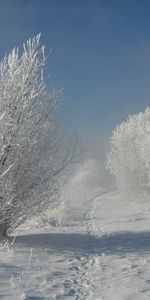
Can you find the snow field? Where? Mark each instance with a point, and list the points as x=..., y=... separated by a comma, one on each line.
x=99, y=249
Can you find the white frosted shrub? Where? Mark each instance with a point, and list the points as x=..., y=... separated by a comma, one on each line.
x=32, y=153
x=129, y=156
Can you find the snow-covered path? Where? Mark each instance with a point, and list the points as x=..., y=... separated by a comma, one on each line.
x=101, y=251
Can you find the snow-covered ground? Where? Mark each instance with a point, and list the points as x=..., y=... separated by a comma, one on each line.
x=101, y=250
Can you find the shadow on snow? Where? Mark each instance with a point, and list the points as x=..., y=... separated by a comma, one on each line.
x=116, y=243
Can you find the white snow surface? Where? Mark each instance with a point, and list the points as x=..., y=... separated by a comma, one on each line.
x=100, y=250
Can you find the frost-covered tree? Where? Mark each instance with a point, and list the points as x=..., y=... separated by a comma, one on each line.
x=32, y=153
x=129, y=157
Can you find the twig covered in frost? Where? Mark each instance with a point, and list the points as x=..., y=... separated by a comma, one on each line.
x=129, y=156
x=32, y=152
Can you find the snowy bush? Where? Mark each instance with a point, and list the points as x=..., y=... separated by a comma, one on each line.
x=129, y=157
x=32, y=153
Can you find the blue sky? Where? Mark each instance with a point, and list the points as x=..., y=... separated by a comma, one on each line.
x=101, y=56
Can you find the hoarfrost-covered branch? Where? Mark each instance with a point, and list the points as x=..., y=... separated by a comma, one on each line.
x=129, y=156
x=32, y=153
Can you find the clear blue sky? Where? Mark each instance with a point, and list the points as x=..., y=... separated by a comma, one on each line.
x=101, y=56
